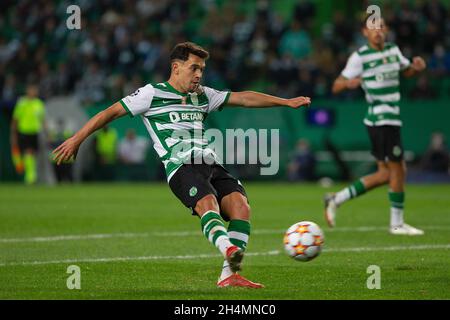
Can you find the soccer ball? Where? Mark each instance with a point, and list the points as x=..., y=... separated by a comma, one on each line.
x=303, y=241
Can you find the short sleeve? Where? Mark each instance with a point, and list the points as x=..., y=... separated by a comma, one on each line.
x=217, y=99
x=139, y=101
x=404, y=62
x=354, y=67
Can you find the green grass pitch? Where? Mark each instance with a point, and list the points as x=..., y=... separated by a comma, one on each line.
x=137, y=241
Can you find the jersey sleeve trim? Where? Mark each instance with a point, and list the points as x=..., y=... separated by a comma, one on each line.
x=405, y=63
x=225, y=101
x=126, y=108
x=354, y=67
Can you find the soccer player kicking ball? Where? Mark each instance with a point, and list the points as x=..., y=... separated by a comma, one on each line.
x=171, y=111
x=376, y=68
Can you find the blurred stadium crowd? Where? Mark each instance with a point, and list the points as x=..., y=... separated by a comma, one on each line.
x=124, y=44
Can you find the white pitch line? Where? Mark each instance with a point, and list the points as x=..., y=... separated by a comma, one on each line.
x=74, y=237
x=184, y=234
x=392, y=248
x=202, y=256
x=121, y=259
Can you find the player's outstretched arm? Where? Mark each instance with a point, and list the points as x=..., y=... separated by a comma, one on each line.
x=342, y=84
x=416, y=67
x=70, y=147
x=252, y=99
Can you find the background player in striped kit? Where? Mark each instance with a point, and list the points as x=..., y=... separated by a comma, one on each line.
x=376, y=67
x=173, y=111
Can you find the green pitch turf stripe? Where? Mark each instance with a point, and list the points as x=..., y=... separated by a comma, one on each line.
x=185, y=233
x=202, y=256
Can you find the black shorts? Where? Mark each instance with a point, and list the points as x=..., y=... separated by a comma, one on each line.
x=386, y=143
x=194, y=181
x=28, y=141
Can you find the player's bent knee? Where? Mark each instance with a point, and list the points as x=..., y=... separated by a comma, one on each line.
x=205, y=204
x=243, y=211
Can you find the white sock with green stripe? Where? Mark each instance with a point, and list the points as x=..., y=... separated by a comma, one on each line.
x=239, y=232
x=397, y=200
x=352, y=191
x=214, y=230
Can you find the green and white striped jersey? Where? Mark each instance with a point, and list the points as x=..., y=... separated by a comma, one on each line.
x=175, y=120
x=380, y=73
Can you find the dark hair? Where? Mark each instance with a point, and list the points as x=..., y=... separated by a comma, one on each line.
x=182, y=50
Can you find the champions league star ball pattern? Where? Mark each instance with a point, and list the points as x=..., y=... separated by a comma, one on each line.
x=303, y=241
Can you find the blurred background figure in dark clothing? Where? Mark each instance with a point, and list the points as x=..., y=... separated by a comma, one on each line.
x=437, y=158
x=303, y=162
